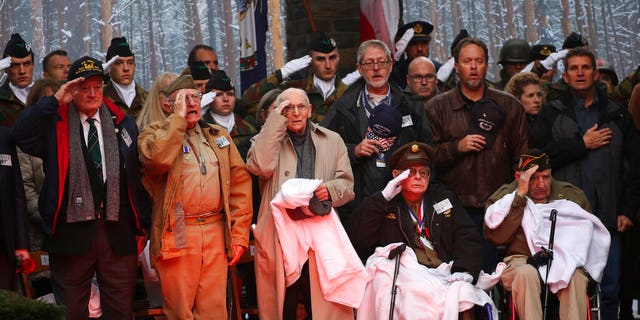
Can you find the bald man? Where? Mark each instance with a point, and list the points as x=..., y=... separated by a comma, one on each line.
x=421, y=80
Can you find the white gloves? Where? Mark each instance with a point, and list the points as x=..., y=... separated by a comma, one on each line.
x=402, y=44
x=5, y=63
x=350, y=78
x=460, y=276
x=393, y=187
x=107, y=65
x=444, y=73
x=207, y=98
x=294, y=66
x=529, y=67
x=554, y=57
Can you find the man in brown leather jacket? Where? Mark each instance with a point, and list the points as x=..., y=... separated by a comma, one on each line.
x=478, y=135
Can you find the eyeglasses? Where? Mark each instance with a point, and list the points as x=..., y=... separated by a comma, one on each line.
x=425, y=173
x=372, y=64
x=417, y=78
x=299, y=108
x=195, y=97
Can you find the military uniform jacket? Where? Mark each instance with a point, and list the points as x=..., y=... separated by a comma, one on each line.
x=10, y=106
x=321, y=107
x=378, y=222
x=136, y=105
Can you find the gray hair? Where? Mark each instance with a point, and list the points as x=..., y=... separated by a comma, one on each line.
x=372, y=43
x=290, y=91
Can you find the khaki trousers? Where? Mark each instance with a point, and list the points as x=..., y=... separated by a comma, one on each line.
x=194, y=285
x=524, y=283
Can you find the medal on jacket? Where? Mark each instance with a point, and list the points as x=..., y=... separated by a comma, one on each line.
x=421, y=228
x=187, y=152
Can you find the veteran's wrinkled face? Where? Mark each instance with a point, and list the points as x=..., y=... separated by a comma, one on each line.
x=375, y=68
x=297, y=112
x=418, y=181
x=88, y=95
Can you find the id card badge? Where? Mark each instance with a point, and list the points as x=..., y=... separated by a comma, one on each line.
x=442, y=206
x=425, y=242
x=221, y=141
x=126, y=137
x=5, y=160
x=380, y=160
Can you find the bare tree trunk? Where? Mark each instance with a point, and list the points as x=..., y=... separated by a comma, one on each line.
x=580, y=18
x=492, y=32
x=531, y=32
x=512, y=28
x=38, y=26
x=616, y=41
x=606, y=26
x=84, y=36
x=437, y=48
x=61, y=13
x=211, y=21
x=162, y=51
x=230, y=45
x=564, y=21
x=456, y=16
x=153, y=55
x=591, y=26
x=195, y=20
x=107, y=28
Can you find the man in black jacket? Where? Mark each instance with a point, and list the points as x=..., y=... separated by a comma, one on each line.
x=426, y=216
x=592, y=143
x=14, y=241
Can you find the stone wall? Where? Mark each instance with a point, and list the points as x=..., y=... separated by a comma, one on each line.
x=338, y=18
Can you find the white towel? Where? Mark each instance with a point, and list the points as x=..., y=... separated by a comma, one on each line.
x=341, y=274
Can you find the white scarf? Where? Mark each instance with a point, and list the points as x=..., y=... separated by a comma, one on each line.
x=227, y=122
x=21, y=93
x=126, y=92
x=326, y=87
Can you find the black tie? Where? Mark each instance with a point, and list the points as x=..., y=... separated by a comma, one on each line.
x=93, y=146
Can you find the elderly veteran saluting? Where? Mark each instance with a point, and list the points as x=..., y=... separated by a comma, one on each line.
x=201, y=195
x=92, y=203
x=518, y=218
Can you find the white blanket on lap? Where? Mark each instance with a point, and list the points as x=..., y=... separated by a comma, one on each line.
x=422, y=293
x=341, y=274
x=580, y=239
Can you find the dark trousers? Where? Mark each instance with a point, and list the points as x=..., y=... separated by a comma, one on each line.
x=489, y=252
x=7, y=271
x=71, y=279
x=300, y=288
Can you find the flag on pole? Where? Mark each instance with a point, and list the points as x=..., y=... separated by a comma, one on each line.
x=379, y=20
x=252, y=19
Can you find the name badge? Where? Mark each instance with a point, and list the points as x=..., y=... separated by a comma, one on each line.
x=442, y=206
x=407, y=121
x=380, y=163
x=125, y=136
x=5, y=160
x=221, y=142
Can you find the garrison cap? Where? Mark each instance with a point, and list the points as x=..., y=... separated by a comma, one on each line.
x=181, y=82
x=17, y=47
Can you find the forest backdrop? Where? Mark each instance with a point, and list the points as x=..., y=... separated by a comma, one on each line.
x=161, y=32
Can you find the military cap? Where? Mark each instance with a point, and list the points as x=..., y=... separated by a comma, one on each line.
x=461, y=35
x=514, y=51
x=385, y=120
x=321, y=42
x=421, y=31
x=219, y=81
x=199, y=71
x=605, y=67
x=17, y=47
x=86, y=67
x=534, y=157
x=574, y=40
x=486, y=120
x=411, y=153
x=119, y=47
x=181, y=82
x=541, y=51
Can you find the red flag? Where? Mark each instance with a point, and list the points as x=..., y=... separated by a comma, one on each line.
x=379, y=20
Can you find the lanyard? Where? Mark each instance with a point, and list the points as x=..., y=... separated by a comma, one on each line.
x=420, y=225
x=365, y=102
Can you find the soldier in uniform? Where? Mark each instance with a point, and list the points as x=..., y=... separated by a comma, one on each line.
x=409, y=48
x=514, y=56
x=221, y=112
x=540, y=52
x=323, y=86
x=13, y=94
x=122, y=89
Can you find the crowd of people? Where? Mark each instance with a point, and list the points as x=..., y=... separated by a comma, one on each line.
x=406, y=172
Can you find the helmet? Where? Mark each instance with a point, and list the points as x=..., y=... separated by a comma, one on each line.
x=605, y=67
x=514, y=51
